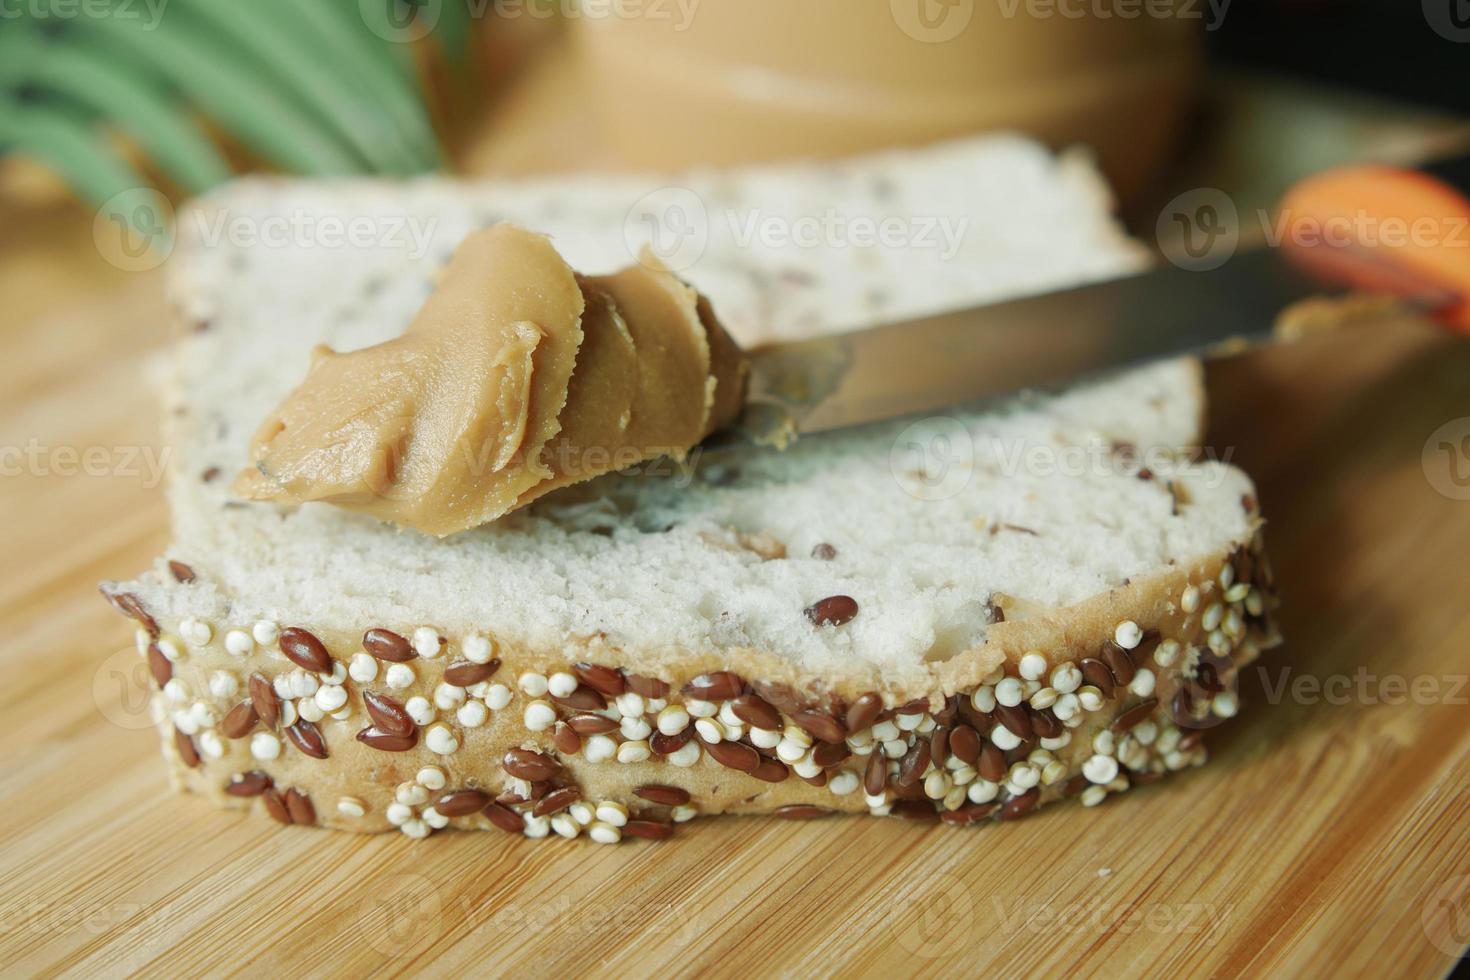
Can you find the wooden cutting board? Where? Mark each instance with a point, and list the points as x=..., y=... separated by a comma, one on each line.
x=1331, y=831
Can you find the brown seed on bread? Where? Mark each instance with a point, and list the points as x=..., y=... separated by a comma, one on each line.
x=824, y=552
x=583, y=698
x=132, y=607
x=770, y=770
x=606, y=680
x=972, y=813
x=182, y=573
x=649, y=687
x=388, y=741
x=298, y=805
x=566, y=739
x=462, y=802
x=308, y=739
x=964, y=742
x=529, y=764
x=669, y=744
x=1016, y=718
x=663, y=795
x=556, y=801
x=648, y=829
x=719, y=685
x=506, y=819
x=801, y=811
x=992, y=762
x=757, y=711
x=251, y=783
x=1182, y=707
x=734, y=755
x=835, y=610
x=863, y=712
x=239, y=720
x=188, y=754
x=939, y=746
x=388, y=645
x=875, y=774
x=820, y=725
x=1021, y=805
x=590, y=724
x=387, y=714
x=1146, y=647
x=1098, y=674
x=159, y=666
x=464, y=673
x=304, y=650
x=1119, y=662
x=275, y=805
x=827, y=754
x=263, y=699
x=1044, y=724
x=1131, y=718
x=913, y=763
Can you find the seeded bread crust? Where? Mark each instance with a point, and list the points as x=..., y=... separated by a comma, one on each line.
x=1191, y=630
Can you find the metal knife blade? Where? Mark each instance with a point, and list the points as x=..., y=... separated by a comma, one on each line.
x=955, y=359
x=950, y=360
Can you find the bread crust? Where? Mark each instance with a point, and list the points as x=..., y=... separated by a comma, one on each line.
x=1216, y=611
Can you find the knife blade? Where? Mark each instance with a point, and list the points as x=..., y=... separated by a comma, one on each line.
x=954, y=359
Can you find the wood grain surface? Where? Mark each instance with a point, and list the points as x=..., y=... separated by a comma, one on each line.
x=1330, y=834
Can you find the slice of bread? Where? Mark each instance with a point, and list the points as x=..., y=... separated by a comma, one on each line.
x=959, y=618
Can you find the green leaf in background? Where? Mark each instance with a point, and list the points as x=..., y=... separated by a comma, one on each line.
x=314, y=87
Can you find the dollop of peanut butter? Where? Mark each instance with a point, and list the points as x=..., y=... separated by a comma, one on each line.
x=515, y=378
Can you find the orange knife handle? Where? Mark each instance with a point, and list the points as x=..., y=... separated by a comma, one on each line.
x=1387, y=229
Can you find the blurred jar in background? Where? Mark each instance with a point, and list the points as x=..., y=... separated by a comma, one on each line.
x=681, y=82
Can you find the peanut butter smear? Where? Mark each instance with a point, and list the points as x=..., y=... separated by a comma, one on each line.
x=515, y=378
